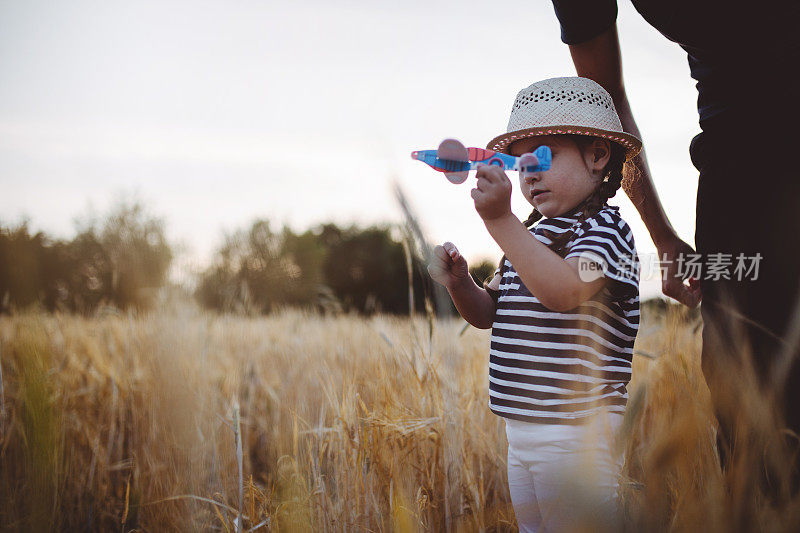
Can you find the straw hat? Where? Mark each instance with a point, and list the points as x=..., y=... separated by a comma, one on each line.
x=562, y=106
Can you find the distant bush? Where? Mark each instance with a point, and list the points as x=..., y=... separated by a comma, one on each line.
x=257, y=269
x=120, y=261
x=482, y=270
x=352, y=269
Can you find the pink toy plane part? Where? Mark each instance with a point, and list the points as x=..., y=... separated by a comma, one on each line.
x=455, y=160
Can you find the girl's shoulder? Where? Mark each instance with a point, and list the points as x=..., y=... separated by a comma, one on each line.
x=607, y=213
x=608, y=219
x=606, y=239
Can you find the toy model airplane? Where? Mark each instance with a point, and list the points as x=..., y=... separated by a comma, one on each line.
x=455, y=160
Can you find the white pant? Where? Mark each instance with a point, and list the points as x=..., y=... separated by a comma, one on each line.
x=563, y=476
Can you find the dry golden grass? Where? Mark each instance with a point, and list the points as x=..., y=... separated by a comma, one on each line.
x=127, y=422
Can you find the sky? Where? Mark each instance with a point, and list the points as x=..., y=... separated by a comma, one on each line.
x=214, y=114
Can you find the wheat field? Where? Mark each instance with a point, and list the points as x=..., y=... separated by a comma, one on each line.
x=181, y=420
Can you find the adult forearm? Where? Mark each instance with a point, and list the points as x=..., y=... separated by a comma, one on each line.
x=638, y=185
x=473, y=303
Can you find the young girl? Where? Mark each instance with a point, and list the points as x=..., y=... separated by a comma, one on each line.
x=563, y=305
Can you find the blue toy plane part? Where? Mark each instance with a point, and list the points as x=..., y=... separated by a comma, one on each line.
x=456, y=161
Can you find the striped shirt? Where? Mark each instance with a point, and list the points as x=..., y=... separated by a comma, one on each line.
x=560, y=367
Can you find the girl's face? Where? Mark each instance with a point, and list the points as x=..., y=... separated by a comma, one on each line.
x=573, y=176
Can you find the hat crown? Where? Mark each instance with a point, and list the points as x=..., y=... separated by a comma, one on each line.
x=567, y=105
x=568, y=101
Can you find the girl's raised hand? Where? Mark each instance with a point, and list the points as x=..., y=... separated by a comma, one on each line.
x=492, y=193
x=448, y=266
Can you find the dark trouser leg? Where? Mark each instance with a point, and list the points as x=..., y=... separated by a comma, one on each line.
x=747, y=202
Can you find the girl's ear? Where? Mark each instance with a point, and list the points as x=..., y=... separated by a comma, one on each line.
x=598, y=154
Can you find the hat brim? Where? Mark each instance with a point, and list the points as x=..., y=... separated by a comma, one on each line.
x=631, y=144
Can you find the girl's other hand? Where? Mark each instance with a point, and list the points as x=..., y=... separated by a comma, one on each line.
x=448, y=266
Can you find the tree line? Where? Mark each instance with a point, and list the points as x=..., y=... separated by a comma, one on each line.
x=124, y=259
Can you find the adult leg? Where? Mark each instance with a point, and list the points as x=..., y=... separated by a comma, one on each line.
x=747, y=191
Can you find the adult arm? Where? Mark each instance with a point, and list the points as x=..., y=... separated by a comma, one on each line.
x=599, y=59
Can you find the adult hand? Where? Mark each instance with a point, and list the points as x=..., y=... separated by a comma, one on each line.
x=448, y=266
x=671, y=283
x=492, y=193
